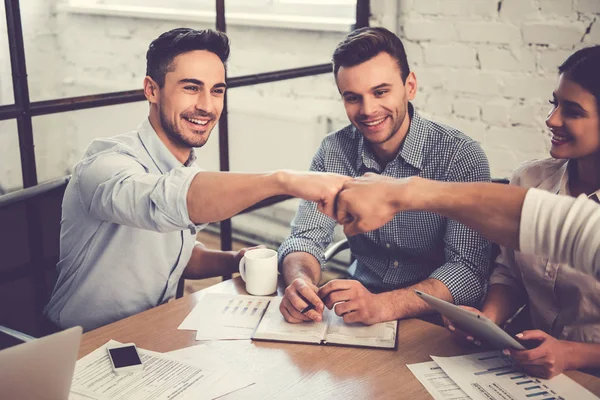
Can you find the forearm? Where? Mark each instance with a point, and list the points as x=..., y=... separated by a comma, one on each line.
x=404, y=303
x=583, y=355
x=206, y=263
x=216, y=196
x=491, y=209
x=501, y=303
x=301, y=265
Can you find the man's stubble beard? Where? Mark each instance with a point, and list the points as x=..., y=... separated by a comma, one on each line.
x=175, y=134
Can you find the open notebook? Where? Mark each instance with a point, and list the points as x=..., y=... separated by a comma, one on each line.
x=331, y=330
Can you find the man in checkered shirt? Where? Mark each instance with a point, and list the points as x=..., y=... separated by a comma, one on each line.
x=415, y=250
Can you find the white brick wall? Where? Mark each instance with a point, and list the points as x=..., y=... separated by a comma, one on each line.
x=488, y=67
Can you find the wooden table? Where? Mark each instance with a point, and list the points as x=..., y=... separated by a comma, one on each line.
x=285, y=370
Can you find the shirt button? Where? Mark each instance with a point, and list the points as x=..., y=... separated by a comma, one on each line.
x=396, y=263
x=387, y=245
x=551, y=274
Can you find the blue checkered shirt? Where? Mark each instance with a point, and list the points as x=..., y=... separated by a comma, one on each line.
x=414, y=245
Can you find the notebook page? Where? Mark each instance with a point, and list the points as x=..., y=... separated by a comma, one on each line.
x=358, y=334
x=274, y=327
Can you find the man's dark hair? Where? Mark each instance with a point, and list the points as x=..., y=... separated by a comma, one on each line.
x=582, y=68
x=365, y=43
x=162, y=51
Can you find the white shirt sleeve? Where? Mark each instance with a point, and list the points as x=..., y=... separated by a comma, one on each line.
x=564, y=229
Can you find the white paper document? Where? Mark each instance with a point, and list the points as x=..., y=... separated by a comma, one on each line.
x=162, y=378
x=437, y=383
x=204, y=357
x=492, y=376
x=225, y=316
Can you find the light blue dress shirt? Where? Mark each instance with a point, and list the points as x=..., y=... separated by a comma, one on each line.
x=126, y=235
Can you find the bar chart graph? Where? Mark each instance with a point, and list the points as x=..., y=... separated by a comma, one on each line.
x=492, y=375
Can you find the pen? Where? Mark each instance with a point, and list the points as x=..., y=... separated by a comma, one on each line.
x=308, y=308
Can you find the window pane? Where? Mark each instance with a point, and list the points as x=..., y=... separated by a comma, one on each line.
x=71, y=54
x=60, y=139
x=281, y=124
x=6, y=88
x=256, y=50
x=11, y=178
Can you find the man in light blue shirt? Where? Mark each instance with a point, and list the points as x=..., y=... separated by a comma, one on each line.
x=136, y=201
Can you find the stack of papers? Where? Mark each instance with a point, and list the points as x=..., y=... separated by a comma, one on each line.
x=490, y=376
x=190, y=373
x=220, y=316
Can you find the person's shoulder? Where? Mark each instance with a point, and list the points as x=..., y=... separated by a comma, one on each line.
x=112, y=153
x=446, y=135
x=125, y=143
x=341, y=137
x=339, y=150
x=344, y=141
x=533, y=172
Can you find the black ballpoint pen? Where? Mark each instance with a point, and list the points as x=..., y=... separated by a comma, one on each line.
x=308, y=308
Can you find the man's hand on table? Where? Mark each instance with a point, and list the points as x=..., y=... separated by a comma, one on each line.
x=296, y=298
x=353, y=302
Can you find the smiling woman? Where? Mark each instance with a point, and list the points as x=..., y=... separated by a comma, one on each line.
x=563, y=302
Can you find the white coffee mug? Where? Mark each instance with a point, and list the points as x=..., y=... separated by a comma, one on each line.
x=258, y=269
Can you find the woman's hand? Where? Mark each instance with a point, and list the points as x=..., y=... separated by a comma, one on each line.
x=547, y=360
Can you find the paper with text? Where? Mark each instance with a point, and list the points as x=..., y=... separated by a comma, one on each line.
x=492, y=376
x=161, y=379
x=437, y=383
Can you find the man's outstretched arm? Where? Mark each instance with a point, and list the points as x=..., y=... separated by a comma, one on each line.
x=215, y=196
x=494, y=210
x=532, y=220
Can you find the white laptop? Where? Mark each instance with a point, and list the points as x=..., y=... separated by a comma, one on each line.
x=40, y=369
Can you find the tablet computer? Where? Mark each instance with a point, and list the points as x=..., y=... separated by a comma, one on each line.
x=478, y=325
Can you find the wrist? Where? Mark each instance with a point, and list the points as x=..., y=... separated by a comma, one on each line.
x=233, y=260
x=410, y=193
x=281, y=179
x=388, y=310
x=575, y=354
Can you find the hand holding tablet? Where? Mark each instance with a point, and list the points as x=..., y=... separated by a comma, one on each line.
x=476, y=324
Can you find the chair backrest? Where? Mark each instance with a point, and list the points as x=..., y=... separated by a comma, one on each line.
x=29, y=250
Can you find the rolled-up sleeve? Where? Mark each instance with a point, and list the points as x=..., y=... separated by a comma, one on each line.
x=467, y=253
x=562, y=228
x=116, y=187
x=312, y=231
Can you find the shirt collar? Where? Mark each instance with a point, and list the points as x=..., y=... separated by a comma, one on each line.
x=160, y=154
x=563, y=185
x=411, y=149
